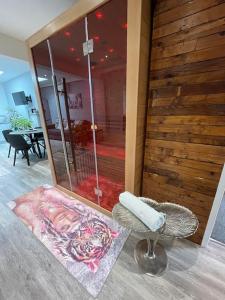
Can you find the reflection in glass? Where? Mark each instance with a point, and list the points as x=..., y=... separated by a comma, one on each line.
x=108, y=70
x=107, y=26
x=44, y=75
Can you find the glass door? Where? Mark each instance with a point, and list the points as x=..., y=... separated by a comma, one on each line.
x=52, y=113
x=83, y=87
x=73, y=81
x=107, y=26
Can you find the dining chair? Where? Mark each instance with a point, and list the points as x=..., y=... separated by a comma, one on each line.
x=5, y=134
x=18, y=142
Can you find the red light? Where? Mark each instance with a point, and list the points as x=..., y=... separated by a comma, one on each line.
x=96, y=38
x=99, y=15
x=67, y=33
x=77, y=59
x=72, y=49
x=102, y=60
x=111, y=50
x=124, y=25
x=93, y=67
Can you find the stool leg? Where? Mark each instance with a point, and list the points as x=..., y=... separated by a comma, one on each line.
x=151, y=247
x=150, y=256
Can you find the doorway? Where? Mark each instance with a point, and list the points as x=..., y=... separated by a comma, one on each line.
x=83, y=67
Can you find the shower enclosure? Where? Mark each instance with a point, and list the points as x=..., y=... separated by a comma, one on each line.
x=81, y=73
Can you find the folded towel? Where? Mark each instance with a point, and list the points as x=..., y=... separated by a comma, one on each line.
x=148, y=215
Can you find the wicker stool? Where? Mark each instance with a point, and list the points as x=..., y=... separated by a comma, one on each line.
x=150, y=256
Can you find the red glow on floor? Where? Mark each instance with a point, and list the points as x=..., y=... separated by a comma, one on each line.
x=110, y=191
x=102, y=59
x=77, y=59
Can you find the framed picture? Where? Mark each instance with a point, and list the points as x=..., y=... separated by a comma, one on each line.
x=75, y=101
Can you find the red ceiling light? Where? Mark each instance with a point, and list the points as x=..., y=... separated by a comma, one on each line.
x=99, y=15
x=77, y=59
x=124, y=25
x=111, y=50
x=67, y=33
x=96, y=38
x=72, y=49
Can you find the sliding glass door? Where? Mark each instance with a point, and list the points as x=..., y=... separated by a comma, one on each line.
x=81, y=72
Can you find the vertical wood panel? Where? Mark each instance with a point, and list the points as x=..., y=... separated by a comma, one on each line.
x=185, y=138
x=136, y=90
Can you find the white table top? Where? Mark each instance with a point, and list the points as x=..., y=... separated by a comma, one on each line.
x=28, y=131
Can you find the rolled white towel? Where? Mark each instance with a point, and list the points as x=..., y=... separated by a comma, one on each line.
x=148, y=215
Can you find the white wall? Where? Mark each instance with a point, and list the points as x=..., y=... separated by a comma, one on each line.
x=18, y=84
x=4, y=106
x=3, y=100
x=12, y=47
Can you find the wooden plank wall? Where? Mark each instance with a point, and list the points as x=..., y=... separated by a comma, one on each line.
x=185, y=137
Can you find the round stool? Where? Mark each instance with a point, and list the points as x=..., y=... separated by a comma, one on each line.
x=150, y=256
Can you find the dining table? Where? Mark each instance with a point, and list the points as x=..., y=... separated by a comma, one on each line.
x=30, y=133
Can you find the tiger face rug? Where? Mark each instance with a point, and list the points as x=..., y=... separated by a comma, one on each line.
x=84, y=240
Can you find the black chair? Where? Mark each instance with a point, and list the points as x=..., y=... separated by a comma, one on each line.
x=5, y=134
x=18, y=142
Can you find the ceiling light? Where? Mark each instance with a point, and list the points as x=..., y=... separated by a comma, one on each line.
x=124, y=25
x=1, y=72
x=72, y=49
x=96, y=38
x=99, y=15
x=40, y=79
x=67, y=33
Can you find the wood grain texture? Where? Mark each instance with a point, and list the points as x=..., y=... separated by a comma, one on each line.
x=136, y=90
x=185, y=137
x=28, y=270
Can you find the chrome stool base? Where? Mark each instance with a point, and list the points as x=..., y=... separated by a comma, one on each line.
x=151, y=261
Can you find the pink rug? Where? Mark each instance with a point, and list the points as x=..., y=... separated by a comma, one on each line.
x=85, y=241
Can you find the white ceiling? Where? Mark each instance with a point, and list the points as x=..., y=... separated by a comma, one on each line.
x=22, y=18
x=12, y=67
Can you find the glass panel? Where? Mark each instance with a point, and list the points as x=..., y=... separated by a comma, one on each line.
x=48, y=101
x=71, y=65
x=107, y=26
